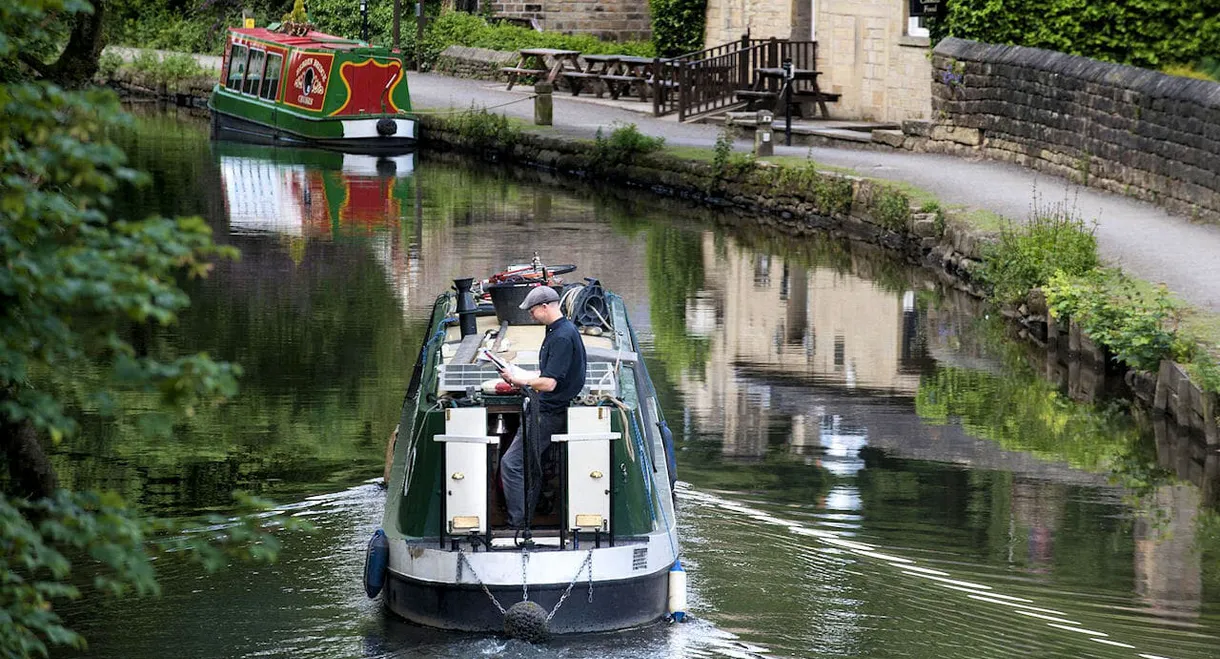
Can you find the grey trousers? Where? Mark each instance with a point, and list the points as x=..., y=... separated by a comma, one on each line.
x=512, y=468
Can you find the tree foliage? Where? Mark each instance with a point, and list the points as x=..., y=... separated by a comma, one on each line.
x=677, y=25
x=1147, y=33
x=75, y=284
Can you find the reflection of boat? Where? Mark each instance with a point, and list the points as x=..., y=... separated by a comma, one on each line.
x=311, y=193
x=603, y=531
x=312, y=90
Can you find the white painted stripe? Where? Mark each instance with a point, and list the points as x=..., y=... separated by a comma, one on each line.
x=1152, y=656
x=361, y=128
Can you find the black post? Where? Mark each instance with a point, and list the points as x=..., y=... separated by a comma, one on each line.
x=364, y=20
x=397, y=31
x=787, y=94
x=419, y=34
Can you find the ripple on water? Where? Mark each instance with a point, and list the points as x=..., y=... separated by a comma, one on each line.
x=837, y=594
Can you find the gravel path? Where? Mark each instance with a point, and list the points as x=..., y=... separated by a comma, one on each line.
x=1145, y=240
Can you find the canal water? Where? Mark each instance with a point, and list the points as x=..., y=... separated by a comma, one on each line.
x=869, y=466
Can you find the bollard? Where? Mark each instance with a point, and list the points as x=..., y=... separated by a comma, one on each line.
x=763, y=146
x=543, y=103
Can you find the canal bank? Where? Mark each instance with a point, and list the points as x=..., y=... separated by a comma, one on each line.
x=798, y=196
x=799, y=200
x=806, y=391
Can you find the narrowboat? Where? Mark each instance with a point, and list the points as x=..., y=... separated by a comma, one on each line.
x=600, y=550
x=304, y=88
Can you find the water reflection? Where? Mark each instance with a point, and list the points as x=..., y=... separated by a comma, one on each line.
x=869, y=475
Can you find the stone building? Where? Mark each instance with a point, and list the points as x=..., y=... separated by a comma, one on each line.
x=616, y=20
x=870, y=51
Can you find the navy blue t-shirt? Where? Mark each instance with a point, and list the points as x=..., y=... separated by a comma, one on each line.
x=563, y=358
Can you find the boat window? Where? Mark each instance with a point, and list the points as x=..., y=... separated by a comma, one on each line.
x=271, y=81
x=237, y=67
x=254, y=74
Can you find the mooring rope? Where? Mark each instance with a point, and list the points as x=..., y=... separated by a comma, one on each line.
x=465, y=110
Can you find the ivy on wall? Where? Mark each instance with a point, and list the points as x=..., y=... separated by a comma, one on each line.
x=677, y=26
x=1145, y=33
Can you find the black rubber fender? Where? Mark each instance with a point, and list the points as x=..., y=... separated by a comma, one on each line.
x=376, y=563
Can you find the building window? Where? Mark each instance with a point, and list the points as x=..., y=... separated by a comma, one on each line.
x=917, y=26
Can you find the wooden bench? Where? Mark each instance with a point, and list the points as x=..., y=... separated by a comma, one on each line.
x=799, y=98
x=619, y=83
x=576, y=80
x=515, y=71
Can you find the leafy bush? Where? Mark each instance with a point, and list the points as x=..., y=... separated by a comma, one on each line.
x=485, y=130
x=624, y=144
x=457, y=28
x=1027, y=255
x=108, y=65
x=892, y=209
x=1149, y=33
x=1138, y=327
x=677, y=25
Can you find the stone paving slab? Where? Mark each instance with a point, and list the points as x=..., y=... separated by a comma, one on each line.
x=1145, y=240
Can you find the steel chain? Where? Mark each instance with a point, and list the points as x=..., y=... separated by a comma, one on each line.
x=525, y=586
x=462, y=559
x=576, y=577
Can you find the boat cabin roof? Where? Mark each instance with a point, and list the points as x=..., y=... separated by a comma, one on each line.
x=312, y=39
x=462, y=365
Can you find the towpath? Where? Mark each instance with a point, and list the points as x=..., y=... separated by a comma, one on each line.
x=1145, y=240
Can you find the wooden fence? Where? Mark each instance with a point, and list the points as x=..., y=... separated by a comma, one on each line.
x=708, y=80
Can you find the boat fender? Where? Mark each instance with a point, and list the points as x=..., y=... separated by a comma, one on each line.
x=386, y=127
x=671, y=460
x=526, y=621
x=677, y=592
x=376, y=562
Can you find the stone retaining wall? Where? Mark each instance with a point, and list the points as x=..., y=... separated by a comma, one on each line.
x=478, y=63
x=614, y=20
x=1120, y=128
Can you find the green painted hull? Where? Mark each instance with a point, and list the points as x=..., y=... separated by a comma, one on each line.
x=317, y=91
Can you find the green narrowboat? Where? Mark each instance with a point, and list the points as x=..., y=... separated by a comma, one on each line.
x=312, y=89
x=600, y=550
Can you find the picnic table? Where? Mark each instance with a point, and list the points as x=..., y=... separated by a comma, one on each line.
x=630, y=72
x=544, y=63
x=769, y=86
x=596, y=68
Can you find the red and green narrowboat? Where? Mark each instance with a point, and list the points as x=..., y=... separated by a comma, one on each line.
x=312, y=89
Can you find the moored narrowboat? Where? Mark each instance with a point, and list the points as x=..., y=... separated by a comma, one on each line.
x=599, y=551
x=305, y=88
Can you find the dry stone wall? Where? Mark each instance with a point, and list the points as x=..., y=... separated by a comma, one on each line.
x=615, y=20
x=1120, y=128
x=478, y=63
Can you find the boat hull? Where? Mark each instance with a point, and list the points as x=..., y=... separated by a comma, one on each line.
x=227, y=126
x=618, y=604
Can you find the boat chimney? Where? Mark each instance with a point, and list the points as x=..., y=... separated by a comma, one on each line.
x=466, y=308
